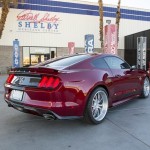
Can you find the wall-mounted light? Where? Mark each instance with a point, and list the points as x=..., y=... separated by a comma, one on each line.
x=108, y=21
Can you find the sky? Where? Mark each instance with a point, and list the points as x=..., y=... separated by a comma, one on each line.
x=130, y=3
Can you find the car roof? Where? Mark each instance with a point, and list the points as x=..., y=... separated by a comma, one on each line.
x=90, y=56
x=95, y=55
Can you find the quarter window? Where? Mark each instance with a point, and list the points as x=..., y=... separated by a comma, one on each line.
x=116, y=63
x=100, y=63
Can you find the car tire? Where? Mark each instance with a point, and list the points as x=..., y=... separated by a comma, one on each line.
x=146, y=88
x=97, y=106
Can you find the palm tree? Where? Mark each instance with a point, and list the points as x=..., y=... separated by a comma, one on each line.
x=101, y=13
x=118, y=16
x=5, y=10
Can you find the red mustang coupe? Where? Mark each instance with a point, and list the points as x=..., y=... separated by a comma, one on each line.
x=82, y=85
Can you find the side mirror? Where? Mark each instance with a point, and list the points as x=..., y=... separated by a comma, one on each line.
x=133, y=67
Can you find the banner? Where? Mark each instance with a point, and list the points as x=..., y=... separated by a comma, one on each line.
x=16, y=54
x=89, y=43
x=71, y=48
x=110, y=39
x=141, y=52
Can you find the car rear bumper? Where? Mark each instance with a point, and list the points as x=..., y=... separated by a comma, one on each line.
x=60, y=102
x=47, y=114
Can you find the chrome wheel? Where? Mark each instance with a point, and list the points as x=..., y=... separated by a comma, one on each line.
x=146, y=88
x=99, y=105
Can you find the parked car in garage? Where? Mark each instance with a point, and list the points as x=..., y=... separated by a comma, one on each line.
x=77, y=86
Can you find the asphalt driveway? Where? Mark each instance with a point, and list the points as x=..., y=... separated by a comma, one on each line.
x=126, y=127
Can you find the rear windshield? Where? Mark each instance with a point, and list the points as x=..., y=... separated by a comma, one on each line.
x=66, y=62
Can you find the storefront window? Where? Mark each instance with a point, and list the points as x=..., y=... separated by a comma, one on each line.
x=39, y=50
x=35, y=55
x=26, y=57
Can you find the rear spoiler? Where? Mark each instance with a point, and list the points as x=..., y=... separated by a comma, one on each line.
x=33, y=70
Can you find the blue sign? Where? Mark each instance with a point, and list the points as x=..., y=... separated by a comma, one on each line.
x=89, y=43
x=16, y=54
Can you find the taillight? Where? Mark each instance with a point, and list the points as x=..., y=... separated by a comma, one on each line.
x=10, y=78
x=49, y=82
x=43, y=82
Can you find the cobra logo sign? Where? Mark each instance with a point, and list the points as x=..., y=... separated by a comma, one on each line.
x=33, y=21
x=89, y=43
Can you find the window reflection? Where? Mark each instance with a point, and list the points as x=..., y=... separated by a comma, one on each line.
x=26, y=58
x=35, y=55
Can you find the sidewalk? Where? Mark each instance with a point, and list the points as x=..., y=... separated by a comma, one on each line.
x=2, y=81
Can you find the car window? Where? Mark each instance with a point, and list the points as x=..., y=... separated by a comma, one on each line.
x=67, y=61
x=100, y=63
x=116, y=63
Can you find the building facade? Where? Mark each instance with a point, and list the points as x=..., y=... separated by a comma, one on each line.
x=44, y=28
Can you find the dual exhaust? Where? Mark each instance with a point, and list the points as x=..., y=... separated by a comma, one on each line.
x=49, y=117
x=46, y=116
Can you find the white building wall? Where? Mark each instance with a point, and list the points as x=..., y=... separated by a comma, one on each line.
x=71, y=27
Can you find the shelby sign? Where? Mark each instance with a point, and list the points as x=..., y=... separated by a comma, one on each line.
x=110, y=40
x=16, y=54
x=33, y=21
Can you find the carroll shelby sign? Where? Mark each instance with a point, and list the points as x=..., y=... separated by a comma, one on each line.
x=33, y=21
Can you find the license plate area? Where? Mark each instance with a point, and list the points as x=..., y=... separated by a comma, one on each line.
x=16, y=95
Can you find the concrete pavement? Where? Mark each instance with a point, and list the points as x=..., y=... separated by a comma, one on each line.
x=126, y=127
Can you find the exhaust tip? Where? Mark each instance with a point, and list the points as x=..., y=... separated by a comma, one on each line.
x=9, y=105
x=49, y=116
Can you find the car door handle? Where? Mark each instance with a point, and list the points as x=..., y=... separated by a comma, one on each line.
x=118, y=76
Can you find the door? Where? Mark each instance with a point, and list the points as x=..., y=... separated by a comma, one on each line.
x=125, y=81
